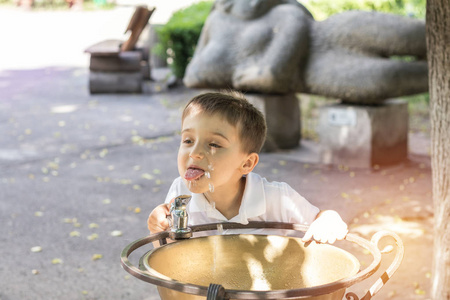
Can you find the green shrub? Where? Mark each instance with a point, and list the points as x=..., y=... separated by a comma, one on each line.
x=178, y=38
x=322, y=9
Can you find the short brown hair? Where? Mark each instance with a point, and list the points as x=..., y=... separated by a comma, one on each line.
x=238, y=112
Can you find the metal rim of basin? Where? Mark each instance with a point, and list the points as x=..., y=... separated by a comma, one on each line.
x=371, y=246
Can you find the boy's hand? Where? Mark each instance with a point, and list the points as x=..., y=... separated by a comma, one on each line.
x=327, y=228
x=157, y=220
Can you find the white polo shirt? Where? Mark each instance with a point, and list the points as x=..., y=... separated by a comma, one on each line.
x=262, y=201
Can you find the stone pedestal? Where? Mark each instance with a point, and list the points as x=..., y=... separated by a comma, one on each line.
x=361, y=136
x=120, y=73
x=282, y=113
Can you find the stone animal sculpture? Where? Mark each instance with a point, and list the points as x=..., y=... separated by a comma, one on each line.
x=276, y=47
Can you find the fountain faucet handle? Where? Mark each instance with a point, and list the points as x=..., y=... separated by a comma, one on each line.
x=181, y=201
x=179, y=223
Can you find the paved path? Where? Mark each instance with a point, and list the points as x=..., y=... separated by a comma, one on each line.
x=80, y=173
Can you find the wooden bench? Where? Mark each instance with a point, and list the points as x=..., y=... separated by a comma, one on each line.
x=118, y=66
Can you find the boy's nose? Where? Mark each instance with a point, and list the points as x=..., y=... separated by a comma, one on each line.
x=196, y=153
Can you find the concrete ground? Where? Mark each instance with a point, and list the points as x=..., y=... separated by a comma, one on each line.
x=79, y=174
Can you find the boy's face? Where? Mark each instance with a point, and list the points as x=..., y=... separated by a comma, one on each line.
x=210, y=153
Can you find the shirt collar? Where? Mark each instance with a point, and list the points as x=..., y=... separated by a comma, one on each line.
x=253, y=202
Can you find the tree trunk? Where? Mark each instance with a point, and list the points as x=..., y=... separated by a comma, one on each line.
x=438, y=43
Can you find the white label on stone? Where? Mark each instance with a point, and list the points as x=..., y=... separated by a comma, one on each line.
x=341, y=117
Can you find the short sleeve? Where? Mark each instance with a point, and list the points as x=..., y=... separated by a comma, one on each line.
x=284, y=204
x=302, y=211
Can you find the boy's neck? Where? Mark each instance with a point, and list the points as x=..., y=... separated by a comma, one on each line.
x=228, y=201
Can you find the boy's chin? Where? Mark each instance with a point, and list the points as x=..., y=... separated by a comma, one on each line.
x=195, y=186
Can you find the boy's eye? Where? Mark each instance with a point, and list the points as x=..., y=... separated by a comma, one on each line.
x=187, y=141
x=214, y=145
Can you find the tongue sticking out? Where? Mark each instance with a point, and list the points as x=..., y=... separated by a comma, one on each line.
x=192, y=174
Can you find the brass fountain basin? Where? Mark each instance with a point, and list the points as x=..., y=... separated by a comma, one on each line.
x=250, y=263
x=221, y=267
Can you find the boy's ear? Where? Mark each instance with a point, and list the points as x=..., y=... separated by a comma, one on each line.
x=250, y=163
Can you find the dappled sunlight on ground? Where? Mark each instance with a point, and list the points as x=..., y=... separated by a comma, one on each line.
x=395, y=224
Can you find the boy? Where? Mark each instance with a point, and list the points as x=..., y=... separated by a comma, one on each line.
x=221, y=137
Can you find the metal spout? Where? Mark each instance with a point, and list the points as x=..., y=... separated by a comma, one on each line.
x=179, y=223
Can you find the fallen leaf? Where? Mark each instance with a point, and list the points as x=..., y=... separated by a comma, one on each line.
x=357, y=200
x=147, y=176
x=34, y=272
x=345, y=195
x=75, y=234
x=97, y=256
x=70, y=220
x=419, y=292
x=116, y=233
x=103, y=153
x=92, y=237
x=36, y=249
x=57, y=261
x=93, y=225
x=137, y=210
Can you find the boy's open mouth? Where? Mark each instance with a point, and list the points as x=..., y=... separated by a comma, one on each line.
x=193, y=173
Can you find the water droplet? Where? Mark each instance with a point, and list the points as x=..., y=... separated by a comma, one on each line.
x=190, y=184
x=207, y=174
x=211, y=188
x=210, y=167
x=213, y=151
x=220, y=228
